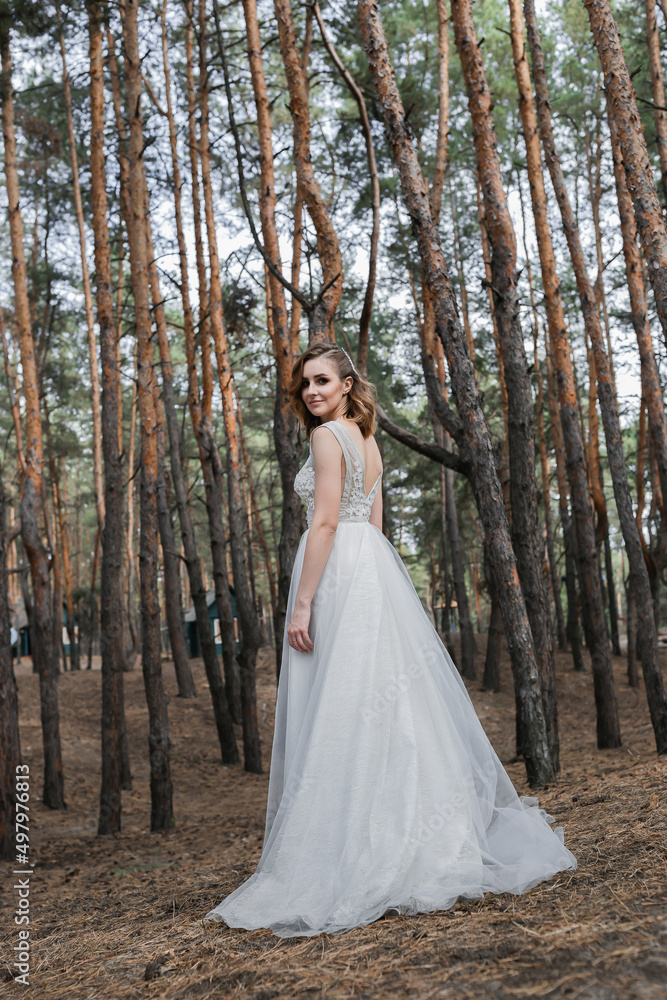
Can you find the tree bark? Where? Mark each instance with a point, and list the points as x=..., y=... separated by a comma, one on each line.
x=246, y=610
x=468, y=644
x=540, y=767
x=171, y=562
x=657, y=89
x=651, y=385
x=441, y=155
x=221, y=708
x=542, y=446
x=111, y=596
x=158, y=740
x=526, y=534
x=638, y=572
x=254, y=509
x=44, y=652
x=285, y=425
x=608, y=729
x=631, y=611
x=212, y=466
x=321, y=318
x=491, y=678
x=622, y=107
x=87, y=294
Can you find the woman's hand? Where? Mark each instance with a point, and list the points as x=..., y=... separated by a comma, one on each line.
x=297, y=631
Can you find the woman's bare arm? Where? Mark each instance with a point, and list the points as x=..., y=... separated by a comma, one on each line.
x=328, y=495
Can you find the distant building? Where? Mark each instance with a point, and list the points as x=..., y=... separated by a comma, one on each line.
x=191, y=624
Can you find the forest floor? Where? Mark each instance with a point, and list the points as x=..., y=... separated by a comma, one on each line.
x=121, y=917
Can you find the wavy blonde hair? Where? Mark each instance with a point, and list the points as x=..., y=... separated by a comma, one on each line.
x=360, y=398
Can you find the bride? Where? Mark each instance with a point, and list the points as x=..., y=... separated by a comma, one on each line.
x=384, y=791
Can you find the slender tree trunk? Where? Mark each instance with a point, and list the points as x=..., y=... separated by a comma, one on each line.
x=651, y=386
x=488, y=284
x=131, y=569
x=111, y=598
x=622, y=108
x=441, y=154
x=608, y=729
x=542, y=445
x=569, y=538
x=638, y=573
x=11, y=771
x=172, y=569
x=631, y=611
x=596, y=484
x=657, y=89
x=158, y=740
x=285, y=425
x=526, y=534
x=212, y=466
x=44, y=653
x=254, y=509
x=491, y=678
x=87, y=294
x=246, y=610
x=221, y=709
x=63, y=531
x=468, y=644
x=539, y=764
x=321, y=317
x=92, y=604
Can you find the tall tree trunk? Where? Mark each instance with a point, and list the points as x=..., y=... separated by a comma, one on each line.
x=442, y=436
x=539, y=765
x=285, y=425
x=610, y=419
x=657, y=89
x=171, y=562
x=542, y=445
x=87, y=294
x=254, y=509
x=221, y=708
x=158, y=740
x=494, y=638
x=441, y=155
x=11, y=770
x=111, y=597
x=651, y=386
x=608, y=729
x=488, y=284
x=321, y=318
x=631, y=612
x=130, y=556
x=596, y=484
x=622, y=108
x=44, y=652
x=63, y=532
x=246, y=610
x=212, y=466
x=526, y=534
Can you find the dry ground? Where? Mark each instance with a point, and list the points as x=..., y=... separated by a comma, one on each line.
x=121, y=917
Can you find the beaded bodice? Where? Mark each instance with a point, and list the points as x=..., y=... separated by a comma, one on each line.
x=354, y=504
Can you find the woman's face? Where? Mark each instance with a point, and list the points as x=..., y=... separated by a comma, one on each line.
x=322, y=390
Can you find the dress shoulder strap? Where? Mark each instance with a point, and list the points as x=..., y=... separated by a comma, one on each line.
x=339, y=432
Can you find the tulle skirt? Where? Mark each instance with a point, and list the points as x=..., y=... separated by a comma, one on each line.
x=384, y=791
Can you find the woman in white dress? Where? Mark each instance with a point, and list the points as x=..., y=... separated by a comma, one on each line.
x=384, y=791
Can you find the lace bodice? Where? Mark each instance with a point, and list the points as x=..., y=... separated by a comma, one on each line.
x=354, y=504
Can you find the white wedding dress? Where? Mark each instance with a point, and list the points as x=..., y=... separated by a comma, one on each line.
x=384, y=791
